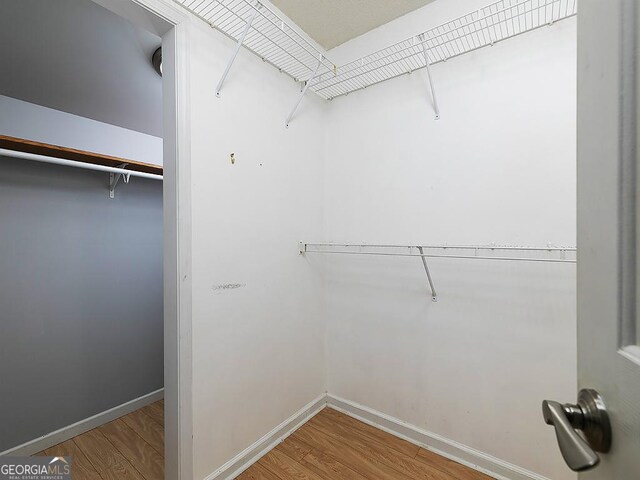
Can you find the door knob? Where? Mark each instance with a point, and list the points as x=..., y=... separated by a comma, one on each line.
x=590, y=416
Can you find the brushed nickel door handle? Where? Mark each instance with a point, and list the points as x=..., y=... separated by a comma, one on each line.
x=590, y=416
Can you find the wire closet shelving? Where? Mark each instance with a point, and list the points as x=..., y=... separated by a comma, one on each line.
x=487, y=26
x=269, y=36
x=264, y=32
x=549, y=254
x=276, y=42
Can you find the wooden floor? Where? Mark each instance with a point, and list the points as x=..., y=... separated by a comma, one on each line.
x=331, y=446
x=131, y=447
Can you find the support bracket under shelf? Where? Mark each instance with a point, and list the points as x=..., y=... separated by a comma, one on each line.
x=434, y=295
x=302, y=249
x=237, y=49
x=304, y=90
x=493, y=252
x=428, y=68
x=114, y=178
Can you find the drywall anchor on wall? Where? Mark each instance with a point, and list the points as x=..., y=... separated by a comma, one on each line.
x=114, y=178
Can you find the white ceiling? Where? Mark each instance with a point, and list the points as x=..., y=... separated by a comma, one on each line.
x=333, y=22
x=77, y=57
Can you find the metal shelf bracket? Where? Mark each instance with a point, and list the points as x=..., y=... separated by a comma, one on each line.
x=114, y=178
x=304, y=90
x=237, y=49
x=548, y=254
x=433, y=91
x=434, y=295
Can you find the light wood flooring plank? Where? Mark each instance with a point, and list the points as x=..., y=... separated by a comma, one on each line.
x=368, y=464
x=139, y=453
x=454, y=469
x=155, y=411
x=257, y=472
x=321, y=464
x=328, y=467
x=81, y=467
x=403, y=463
x=106, y=459
x=294, y=448
x=286, y=468
x=147, y=428
x=374, y=433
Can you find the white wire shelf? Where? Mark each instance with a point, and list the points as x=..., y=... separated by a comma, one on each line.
x=491, y=24
x=261, y=30
x=551, y=254
x=268, y=36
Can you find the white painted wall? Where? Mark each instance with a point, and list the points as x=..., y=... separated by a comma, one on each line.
x=272, y=330
x=498, y=167
x=42, y=124
x=258, y=323
x=77, y=57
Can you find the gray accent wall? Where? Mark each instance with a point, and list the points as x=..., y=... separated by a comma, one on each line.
x=78, y=57
x=81, y=307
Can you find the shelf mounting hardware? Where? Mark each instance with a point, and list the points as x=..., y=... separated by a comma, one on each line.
x=304, y=90
x=548, y=254
x=433, y=92
x=114, y=178
x=237, y=49
x=434, y=295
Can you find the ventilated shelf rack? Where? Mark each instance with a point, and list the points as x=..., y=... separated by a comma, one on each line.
x=550, y=254
x=268, y=35
x=260, y=29
x=491, y=24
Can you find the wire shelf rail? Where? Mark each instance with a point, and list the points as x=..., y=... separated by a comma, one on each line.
x=491, y=24
x=550, y=254
x=268, y=35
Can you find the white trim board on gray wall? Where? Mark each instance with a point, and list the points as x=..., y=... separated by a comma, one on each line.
x=445, y=447
x=78, y=428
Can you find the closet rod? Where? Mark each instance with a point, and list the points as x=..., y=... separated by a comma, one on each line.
x=71, y=163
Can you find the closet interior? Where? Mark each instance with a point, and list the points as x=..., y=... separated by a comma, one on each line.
x=394, y=236
x=376, y=254
x=81, y=255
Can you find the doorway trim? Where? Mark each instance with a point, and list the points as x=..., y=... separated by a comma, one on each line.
x=171, y=23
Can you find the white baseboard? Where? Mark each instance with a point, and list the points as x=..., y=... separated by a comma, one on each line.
x=442, y=446
x=65, y=433
x=261, y=447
